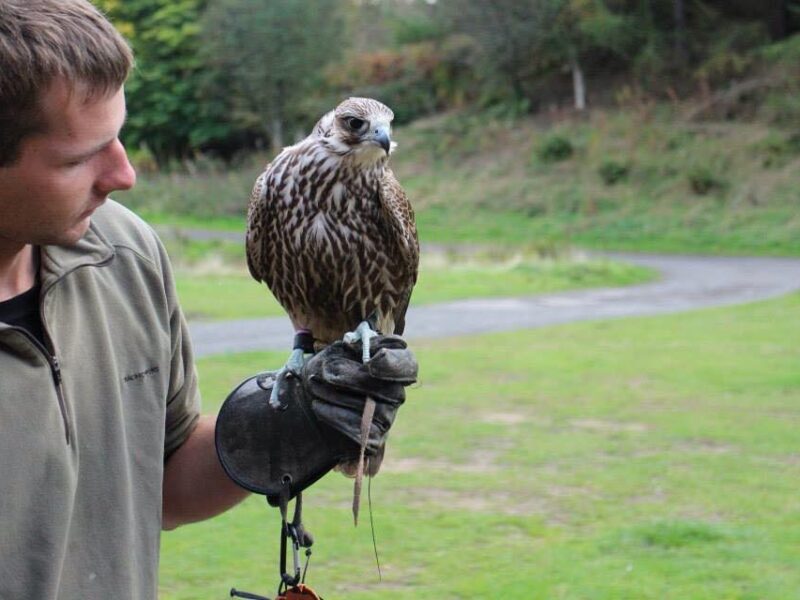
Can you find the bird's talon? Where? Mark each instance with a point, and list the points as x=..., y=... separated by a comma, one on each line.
x=292, y=368
x=363, y=333
x=274, y=400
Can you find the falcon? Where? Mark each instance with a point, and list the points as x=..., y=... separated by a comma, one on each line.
x=332, y=234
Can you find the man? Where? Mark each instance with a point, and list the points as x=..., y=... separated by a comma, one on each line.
x=101, y=440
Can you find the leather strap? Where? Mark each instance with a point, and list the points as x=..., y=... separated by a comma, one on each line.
x=303, y=340
x=299, y=592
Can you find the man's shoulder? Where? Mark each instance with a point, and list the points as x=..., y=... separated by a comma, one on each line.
x=121, y=227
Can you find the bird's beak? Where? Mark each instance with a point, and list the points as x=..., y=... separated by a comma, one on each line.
x=383, y=138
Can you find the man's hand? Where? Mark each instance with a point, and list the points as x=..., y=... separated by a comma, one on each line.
x=282, y=451
x=339, y=382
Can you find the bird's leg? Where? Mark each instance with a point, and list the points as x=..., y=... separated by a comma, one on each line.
x=303, y=343
x=365, y=333
x=293, y=366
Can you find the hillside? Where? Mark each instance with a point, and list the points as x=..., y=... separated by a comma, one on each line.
x=631, y=178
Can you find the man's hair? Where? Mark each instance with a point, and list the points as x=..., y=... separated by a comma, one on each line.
x=41, y=40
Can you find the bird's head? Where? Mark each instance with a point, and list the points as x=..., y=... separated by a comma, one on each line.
x=361, y=128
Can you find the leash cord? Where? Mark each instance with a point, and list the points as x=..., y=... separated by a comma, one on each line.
x=372, y=527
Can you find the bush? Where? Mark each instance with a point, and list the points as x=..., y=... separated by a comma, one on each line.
x=703, y=181
x=612, y=171
x=555, y=148
x=786, y=51
x=782, y=107
x=776, y=150
x=143, y=160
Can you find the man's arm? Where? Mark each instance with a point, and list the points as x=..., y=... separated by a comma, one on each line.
x=195, y=485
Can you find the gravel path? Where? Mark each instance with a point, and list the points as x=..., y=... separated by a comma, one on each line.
x=686, y=282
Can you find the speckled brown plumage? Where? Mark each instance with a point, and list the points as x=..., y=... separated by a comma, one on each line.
x=330, y=230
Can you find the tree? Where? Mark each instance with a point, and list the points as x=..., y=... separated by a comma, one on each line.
x=679, y=12
x=509, y=35
x=112, y=10
x=522, y=41
x=166, y=112
x=269, y=58
x=584, y=28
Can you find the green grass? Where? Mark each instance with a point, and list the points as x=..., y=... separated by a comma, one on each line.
x=648, y=458
x=232, y=223
x=226, y=295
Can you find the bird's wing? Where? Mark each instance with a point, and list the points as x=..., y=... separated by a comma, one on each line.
x=255, y=228
x=400, y=313
x=399, y=215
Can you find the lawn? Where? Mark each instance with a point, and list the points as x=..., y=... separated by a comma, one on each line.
x=208, y=293
x=646, y=458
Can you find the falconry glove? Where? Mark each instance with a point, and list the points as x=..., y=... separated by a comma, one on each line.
x=283, y=451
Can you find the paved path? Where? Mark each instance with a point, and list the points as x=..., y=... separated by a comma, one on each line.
x=686, y=282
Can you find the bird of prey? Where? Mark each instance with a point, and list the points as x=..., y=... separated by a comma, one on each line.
x=332, y=233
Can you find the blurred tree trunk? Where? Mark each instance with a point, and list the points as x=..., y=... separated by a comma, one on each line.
x=578, y=82
x=275, y=116
x=777, y=15
x=679, y=15
x=276, y=129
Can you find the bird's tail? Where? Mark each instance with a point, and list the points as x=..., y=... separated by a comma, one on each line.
x=350, y=467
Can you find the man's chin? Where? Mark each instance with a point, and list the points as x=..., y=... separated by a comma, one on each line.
x=74, y=234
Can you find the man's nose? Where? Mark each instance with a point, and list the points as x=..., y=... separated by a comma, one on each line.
x=119, y=173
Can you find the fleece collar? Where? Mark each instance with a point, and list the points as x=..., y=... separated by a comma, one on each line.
x=57, y=261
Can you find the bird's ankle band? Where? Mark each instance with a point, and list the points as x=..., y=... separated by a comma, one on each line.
x=303, y=340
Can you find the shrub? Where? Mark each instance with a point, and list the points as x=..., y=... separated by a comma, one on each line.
x=555, y=148
x=703, y=181
x=612, y=171
x=782, y=108
x=143, y=160
x=778, y=149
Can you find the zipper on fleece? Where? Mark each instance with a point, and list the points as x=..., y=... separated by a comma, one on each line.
x=55, y=368
x=55, y=371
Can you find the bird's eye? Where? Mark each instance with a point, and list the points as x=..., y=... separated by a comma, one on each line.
x=355, y=123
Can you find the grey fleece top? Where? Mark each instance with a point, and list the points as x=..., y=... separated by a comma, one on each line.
x=87, y=421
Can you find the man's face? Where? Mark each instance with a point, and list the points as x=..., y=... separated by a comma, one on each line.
x=61, y=176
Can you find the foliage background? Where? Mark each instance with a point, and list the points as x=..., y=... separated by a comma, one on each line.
x=225, y=76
